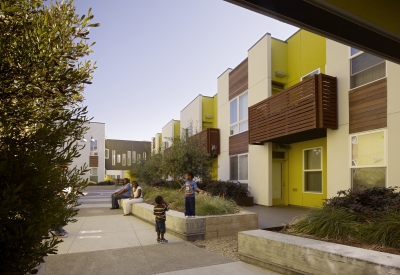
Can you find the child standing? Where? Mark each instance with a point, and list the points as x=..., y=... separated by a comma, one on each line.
x=159, y=211
x=190, y=187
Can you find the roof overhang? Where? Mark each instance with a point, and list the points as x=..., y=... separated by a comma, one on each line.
x=367, y=25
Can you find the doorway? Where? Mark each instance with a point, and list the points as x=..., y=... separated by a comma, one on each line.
x=279, y=182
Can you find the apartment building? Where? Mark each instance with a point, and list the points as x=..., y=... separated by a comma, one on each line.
x=304, y=118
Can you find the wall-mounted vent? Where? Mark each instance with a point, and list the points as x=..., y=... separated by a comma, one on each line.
x=209, y=117
x=282, y=146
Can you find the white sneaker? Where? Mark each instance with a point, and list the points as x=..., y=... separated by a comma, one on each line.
x=186, y=217
x=192, y=216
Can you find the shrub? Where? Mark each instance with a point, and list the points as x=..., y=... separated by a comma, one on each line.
x=107, y=182
x=326, y=224
x=366, y=203
x=227, y=189
x=205, y=203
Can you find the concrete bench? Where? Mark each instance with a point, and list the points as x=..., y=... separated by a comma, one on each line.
x=294, y=255
x=201, y=227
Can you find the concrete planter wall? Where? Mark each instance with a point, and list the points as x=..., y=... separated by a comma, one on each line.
x=199, y=228
x=292, y=255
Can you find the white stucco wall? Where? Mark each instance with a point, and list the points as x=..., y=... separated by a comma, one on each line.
x=192, y=115
x=223, y=125
x=338, y=155
x=98, y=132
x=260, y=156
x=168, y=133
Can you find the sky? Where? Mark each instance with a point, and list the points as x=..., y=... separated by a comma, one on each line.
x=155, y=56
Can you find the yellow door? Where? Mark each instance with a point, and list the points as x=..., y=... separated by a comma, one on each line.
x=279, y=182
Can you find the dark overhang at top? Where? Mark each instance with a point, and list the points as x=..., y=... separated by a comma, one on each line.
x=372, y=26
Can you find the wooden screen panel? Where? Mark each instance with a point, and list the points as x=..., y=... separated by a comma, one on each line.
x=239, y=144
x=238, y=80
x=368, y=107
x=93, y=161
x=327, y=102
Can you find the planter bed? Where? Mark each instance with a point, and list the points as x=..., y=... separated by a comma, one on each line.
x=201, y=227
x=294, y=255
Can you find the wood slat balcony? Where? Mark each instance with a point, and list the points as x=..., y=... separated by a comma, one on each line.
x=301, y=112
x=209, y=137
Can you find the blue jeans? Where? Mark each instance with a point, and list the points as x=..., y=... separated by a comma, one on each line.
x=114, y=200
x=190, y=206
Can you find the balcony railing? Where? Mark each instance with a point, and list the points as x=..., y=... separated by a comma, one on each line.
x=301, y=112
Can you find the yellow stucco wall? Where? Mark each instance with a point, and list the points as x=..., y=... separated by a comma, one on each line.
x=296, y=194
x=207, y=110
x=215, y=125
x=214, y=169
x=177, y=128
x=381, y=13
x=306, y=53
x=279, y=59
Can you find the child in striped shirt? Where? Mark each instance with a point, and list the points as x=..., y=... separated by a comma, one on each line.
x=159, y=212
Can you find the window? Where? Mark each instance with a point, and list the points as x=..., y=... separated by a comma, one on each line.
x=138, y=158
x=133, y=156
x=123, y=159
x=106, y=153
x=317, y=71
x=129, y=157
x=312, y=169
x=144, y=155
x=239, y=167
x=119, y=158
x=368, y=159
x=239, y=114
x=93, y=171
x=93, y=148
x=113, y=157
x=365, y=68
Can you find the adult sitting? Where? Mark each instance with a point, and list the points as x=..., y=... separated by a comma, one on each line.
x=123, y=193
x=137, y=196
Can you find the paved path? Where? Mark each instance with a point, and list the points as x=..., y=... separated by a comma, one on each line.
x=103, y=241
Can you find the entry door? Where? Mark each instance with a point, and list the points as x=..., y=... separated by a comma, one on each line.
x=279, y=183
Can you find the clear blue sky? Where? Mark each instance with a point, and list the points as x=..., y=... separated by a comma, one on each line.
x=155, y=56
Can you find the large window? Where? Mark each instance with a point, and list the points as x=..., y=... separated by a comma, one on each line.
x=312, y=169
x=133, y=156
x=106, y=153
x=368, y=159
x=365, y=68
x=239, y=114
x=113, y=157
x=93, y=147
x=129, y=159
x=123, y=159
x=119, y=158
x=239, y=167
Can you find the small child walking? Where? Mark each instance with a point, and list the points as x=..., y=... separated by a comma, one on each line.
x=159, y=212
x=190, y=187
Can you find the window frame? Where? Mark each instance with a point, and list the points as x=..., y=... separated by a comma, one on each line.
x=238, y=172
x=123, y=160
x=133, y=156
x=106, y=153
x=385, y=151
x=351, y=57
x=238, y=122
x=313, y=170
x=113, y=156
x=118, y=158
x=94, y=169
x=128, y=158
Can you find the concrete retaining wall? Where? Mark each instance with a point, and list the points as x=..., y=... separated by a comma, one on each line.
x=292, y=255
x=199, y=228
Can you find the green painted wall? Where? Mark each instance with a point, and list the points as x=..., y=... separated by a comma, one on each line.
x=207, y=110
x=177, y=128
x=306, y=53
x=296, y=194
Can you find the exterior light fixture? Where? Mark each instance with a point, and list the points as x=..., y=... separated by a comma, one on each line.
x=83, y=139
x=91, y=138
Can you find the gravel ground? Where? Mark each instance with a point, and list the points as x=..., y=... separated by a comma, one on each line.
x=226, y=246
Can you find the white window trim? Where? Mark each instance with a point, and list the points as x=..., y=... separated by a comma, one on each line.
x=91, y=171
x=118, y=158
x=113, y=156
x=385, y=149
x=237, y=109
x=314, y=170
x=318, y=72
x=238, y=155
x=123, y=159
x=134, y=156
x=350, y=74
x=128, y=158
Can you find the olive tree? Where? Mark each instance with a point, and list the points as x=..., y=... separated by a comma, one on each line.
x=42, y=79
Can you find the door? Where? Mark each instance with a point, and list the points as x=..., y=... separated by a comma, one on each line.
x=279, y=183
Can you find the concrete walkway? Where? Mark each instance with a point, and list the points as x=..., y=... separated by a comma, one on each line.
x=103, y=241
